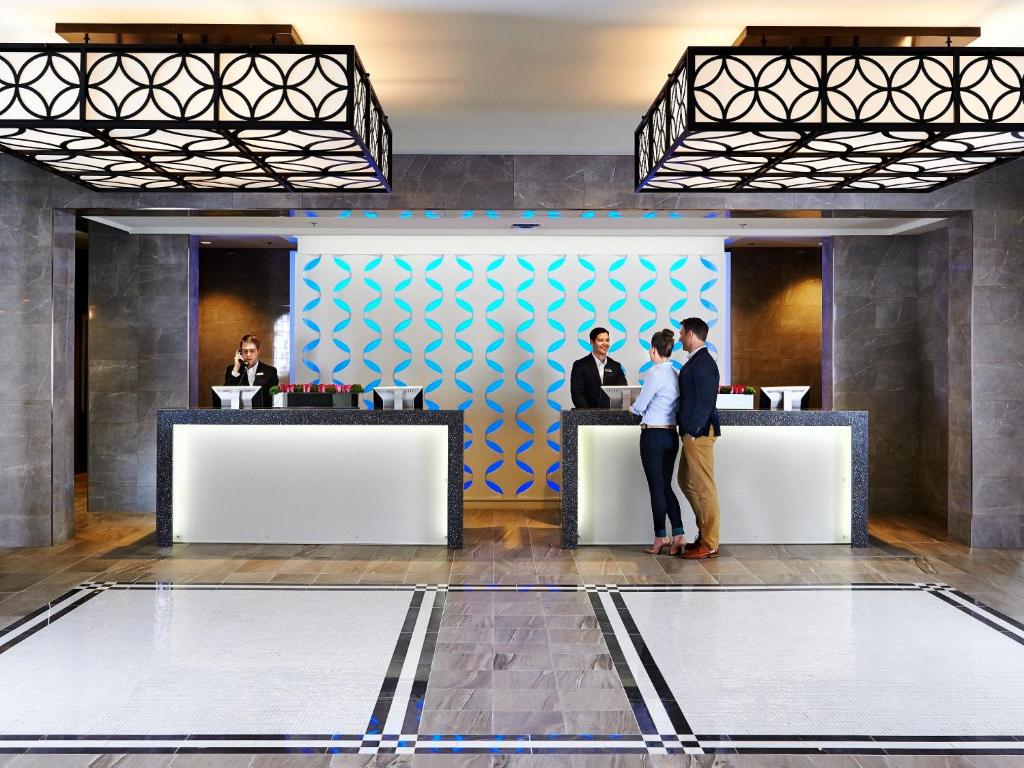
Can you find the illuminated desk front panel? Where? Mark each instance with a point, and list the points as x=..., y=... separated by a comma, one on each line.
x=784, y=477
x=309, y=476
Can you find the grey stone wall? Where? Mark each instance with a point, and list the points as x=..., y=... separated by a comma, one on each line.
x=997, y=369
x=960, y=486
x=893, y=314
x=876, y=358
x=986, y=291
x=138, y=359
x=62, y=393
x=36, y=326
x=933, y=373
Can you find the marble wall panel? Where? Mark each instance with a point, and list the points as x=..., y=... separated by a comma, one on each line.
x=997, y=357
x=898, y=304
x=138, y=359
x=36, y=344
x=961, y=231
x=25, y=464
x=62, y=354
x=933, y=382
x=543, y=181
x=876, y=359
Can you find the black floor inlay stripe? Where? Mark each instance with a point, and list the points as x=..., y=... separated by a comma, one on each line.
x=410, y=740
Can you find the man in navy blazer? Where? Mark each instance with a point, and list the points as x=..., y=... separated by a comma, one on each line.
x=697, y=420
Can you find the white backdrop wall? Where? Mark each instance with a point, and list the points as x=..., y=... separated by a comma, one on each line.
x=491, y=324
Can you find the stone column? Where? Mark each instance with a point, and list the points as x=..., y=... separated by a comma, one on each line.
x=876, y=358
x=138, y=359
x=997, y=360
x=37, y=261
x=960, y=481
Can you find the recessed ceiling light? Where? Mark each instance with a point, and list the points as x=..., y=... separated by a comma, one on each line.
x=205, y=242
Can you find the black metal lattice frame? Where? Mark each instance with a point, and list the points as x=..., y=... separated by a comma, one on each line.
x=976, y=95
x=266, y=117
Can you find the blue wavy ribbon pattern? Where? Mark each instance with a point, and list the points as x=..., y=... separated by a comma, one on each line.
x=402, y=324
x=434, y=344
x=583, y=331
x=373, y=325
x=346, y=319
x=616, y=305
x=308, y=307
x=497, y=383
x=465, y=364
x=676, y=310
x=524, y=366
x=645, y=329
x=707, y=304
x=559, y=369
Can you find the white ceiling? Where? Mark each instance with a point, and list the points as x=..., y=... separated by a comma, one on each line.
x=519, y=76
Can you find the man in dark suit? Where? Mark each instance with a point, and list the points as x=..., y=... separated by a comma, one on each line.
x=247, y=369
x=595, y=370
x=697, y=419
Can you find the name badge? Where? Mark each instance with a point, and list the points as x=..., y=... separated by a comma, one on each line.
x=609, y=370
x=259, y=373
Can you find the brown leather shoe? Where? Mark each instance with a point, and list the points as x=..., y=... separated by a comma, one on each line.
x=692, y=545
x=700, y=552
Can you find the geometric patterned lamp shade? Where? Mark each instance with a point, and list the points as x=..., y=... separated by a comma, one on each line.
x=196, y=117
x=831, y=118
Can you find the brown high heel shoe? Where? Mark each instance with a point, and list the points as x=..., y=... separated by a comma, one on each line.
x=660, y=542
x=678, y=544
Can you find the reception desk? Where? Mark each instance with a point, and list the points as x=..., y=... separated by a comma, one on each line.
x=309, y=476
x=784, y=477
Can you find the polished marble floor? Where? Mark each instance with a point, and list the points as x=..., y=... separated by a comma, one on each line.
x=614, y=658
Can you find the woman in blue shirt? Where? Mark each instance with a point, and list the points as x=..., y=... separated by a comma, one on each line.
x=659, y=442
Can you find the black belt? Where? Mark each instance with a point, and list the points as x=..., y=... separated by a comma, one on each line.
x=657, y=426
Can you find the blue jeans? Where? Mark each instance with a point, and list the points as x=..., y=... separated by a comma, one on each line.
x=658, y=448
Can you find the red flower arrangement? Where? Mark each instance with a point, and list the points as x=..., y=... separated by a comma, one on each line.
x=735, y=389
x=323, y=389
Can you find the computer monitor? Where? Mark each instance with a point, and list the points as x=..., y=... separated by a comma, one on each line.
x=621, y=397
x=237, y=397
x=398, y=398
x=789, y=398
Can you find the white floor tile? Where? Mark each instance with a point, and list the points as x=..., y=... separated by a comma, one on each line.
x=842, y=662
x=137, y=662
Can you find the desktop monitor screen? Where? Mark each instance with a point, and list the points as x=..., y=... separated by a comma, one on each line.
x=238, y=397
x=398, y=398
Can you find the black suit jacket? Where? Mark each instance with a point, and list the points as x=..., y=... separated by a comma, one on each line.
x=266, y=377
x=585, y=382
x=698, y=394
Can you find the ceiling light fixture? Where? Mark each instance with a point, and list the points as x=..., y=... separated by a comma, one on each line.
x=833, y=109
x=194, y=107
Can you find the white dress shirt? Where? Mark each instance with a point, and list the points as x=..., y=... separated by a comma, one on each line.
x=249, y=373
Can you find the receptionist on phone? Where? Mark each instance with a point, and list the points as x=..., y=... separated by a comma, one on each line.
x=247, y=369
